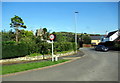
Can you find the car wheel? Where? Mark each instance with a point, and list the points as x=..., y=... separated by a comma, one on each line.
x=96, y=49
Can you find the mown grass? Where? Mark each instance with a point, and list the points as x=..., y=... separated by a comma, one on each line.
x=7, y=69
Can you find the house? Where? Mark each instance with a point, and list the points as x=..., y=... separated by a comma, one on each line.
x=95, y=39
x=112, y=36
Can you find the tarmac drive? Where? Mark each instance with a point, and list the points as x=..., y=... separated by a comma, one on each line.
x=95, y=66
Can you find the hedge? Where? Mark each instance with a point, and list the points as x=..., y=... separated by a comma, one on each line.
x=63, y=46
x=117, y=45
x=13, y=50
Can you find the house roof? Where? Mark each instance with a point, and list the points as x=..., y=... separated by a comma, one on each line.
x=95, y=37
x=111, y=33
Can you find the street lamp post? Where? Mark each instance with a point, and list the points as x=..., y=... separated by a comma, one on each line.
x=75, y=30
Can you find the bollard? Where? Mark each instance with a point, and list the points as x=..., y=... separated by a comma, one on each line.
x=56, y=58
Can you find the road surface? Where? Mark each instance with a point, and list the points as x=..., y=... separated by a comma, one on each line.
x=95, y=66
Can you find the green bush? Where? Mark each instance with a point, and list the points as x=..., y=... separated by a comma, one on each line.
x=34, y=54
x=117, y=46
x=31, y=45
x=63, y=46
x=45, y=48
x=86, y=39
x=12, y=50
x=8, y=42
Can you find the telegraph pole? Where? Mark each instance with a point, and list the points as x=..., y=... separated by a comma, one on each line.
x=75, y=30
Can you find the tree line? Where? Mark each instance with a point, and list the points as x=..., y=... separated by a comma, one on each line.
x=23, y=42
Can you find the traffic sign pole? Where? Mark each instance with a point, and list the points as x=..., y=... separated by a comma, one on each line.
x=54, y=58
x=52, y=38
x=52, y=52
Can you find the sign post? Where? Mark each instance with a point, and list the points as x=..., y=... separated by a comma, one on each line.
x=52, y=52
x=52, y=38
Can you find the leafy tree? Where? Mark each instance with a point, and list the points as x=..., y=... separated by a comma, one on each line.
x=64, y=36
x=59, y=37
x=8, y=36
x=25, y=33
x=45, y=48
x=17, y=22
x=48, y=34
x=38, y=40
x=117, y=45
x=86, y=39
x=44, y=30
x=71, y=37
x=45, y=33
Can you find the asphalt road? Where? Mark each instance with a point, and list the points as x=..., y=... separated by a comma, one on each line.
x=95, y=66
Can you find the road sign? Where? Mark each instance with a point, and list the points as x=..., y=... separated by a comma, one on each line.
x=52, y=37
x=54, y=58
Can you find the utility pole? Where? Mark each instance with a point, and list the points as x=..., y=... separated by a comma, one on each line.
x=75, y=30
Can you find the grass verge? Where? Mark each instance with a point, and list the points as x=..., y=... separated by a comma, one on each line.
x=7, y=69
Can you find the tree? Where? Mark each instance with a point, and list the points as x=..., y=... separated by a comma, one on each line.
x=44, y=30
x=8, y=36
x=44, y=48
x=38, y=40
x=24, y=33
x=44, y=33
x=17, y=22
x=59, y=37
x=86, y=39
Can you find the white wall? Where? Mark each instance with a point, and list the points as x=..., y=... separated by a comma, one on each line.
x=113, y=37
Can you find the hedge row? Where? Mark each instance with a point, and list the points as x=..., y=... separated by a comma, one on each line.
x=13, y=50
x=63, y=46
x=117, y=45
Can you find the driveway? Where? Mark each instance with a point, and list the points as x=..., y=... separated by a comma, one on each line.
x=95, y=66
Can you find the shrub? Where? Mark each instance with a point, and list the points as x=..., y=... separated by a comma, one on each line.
x=34, y=54
x=12, y=50
x=63, y=46
x=8, y=42
x=31, y=45
x=44, y=48
x=117, y=45
x=86, y=39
